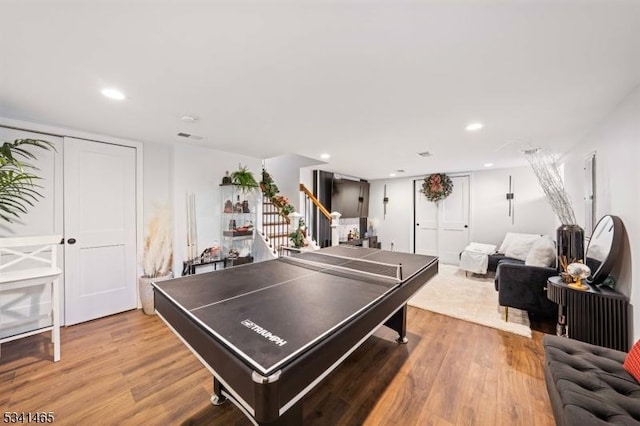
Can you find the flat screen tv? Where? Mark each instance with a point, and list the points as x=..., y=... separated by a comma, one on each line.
x=350, y=197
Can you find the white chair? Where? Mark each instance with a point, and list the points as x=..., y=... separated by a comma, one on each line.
x=21, y=261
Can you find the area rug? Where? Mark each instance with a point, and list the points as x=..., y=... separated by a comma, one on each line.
x=472, y=299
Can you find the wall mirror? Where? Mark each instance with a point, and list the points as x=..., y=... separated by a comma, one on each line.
x=604, y=248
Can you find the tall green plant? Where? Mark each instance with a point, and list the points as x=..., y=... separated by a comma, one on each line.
x=18, y=187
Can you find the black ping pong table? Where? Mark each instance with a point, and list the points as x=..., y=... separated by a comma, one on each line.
x=271, y=331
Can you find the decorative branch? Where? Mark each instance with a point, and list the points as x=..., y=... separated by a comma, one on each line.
x=546, y=170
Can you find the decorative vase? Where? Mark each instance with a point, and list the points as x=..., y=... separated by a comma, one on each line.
x=146, y=292
x=570, y=244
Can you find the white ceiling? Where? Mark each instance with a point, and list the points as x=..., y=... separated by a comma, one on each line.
x=370, y=82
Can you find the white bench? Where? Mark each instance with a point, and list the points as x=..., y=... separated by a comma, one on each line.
x=18, y=259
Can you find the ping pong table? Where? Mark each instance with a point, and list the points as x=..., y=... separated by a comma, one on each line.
x=271, y=331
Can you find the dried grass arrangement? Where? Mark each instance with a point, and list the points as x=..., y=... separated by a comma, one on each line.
x=158, y=246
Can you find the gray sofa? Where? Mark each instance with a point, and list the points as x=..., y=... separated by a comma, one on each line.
x=588, y=385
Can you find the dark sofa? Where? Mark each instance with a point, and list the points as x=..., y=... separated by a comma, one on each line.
x=524, y=287
x=588, y=385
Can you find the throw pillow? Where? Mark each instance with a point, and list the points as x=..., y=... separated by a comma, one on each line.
x=519, y=246
x=542, y=253
x=632, y=361
x=514, y=236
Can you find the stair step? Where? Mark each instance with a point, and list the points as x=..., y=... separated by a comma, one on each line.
x=275, y=223
x=274, y=236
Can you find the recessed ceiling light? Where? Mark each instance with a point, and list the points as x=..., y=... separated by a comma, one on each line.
x=392, y=174
x=189, y=118
x=488, y=164
x=472, y=127
x=113, y=93
x=325, y=156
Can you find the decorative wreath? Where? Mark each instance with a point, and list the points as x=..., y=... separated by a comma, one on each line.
x=437, y=186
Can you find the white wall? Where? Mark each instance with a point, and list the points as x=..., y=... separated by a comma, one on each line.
x=489, y=219
x=616, y=141
x=199, y=171
x=397, y=226
x=158, y=179
x=286, y=173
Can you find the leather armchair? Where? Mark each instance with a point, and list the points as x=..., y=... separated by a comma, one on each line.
x=525, y=287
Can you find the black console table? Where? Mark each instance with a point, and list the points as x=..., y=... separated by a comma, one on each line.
x=371, y=241
x=599, y=315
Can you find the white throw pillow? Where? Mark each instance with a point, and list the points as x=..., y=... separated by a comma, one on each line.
x=513, y=236
x=542, y=253
x=519, y=247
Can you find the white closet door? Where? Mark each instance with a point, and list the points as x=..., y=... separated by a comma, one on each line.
x=22, y=310
x=442, y=228
x=454, y=223
x=426, y=216
x=100, y=229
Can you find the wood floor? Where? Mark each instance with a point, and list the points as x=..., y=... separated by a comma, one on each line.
x=130, y=369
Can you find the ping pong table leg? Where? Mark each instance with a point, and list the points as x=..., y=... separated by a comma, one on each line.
x=398, y=322
x=217, y=398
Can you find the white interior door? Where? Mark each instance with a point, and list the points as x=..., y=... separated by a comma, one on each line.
x=426, y=235
x=442, y=228
x=23, y=309
x=100, y=229
x=454, y=223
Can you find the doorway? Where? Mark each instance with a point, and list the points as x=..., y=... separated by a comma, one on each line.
x=442, y=228
x=91, y=195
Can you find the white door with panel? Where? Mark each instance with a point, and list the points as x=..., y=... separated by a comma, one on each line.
x=442, y=228
x=100, y=229
x=29, y=308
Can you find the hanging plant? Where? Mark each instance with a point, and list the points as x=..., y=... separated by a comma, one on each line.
x=437, y=186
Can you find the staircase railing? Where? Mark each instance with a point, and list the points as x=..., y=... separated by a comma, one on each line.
x=275, y=227
x=316, y=217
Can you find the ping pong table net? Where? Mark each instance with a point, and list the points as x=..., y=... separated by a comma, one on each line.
x=363, y=269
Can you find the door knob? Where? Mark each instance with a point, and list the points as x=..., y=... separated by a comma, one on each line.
x=71, y=241
x=466, y=226
x=417, y=224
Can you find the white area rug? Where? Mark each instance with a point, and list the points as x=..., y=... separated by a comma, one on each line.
x=472, y=299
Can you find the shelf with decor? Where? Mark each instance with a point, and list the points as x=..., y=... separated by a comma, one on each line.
x=238, y=217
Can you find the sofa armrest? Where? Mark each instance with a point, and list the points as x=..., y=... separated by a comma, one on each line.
x=509, y=273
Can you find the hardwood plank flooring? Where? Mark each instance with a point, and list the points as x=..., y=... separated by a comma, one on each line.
x=130, y=369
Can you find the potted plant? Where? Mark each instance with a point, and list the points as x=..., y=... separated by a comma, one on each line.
x=157, y=257
x=18, y=190
x=243, y=177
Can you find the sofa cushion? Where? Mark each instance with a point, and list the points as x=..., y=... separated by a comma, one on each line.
x=542, y=253
x=519, y=247
x=513, y=236
x=632, y=361
x=588, y=384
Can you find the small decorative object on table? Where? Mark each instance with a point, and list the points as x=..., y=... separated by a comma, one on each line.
x=226, y=179
x=578, y=271
x=228, y=206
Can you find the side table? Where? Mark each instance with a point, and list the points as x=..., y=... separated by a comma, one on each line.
x=599, y=315
x=189, y=266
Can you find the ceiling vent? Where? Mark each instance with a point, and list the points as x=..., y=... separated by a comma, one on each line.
x=189, y=135
x=424, y=154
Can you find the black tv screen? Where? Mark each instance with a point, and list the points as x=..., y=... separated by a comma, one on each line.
x=350, y=197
